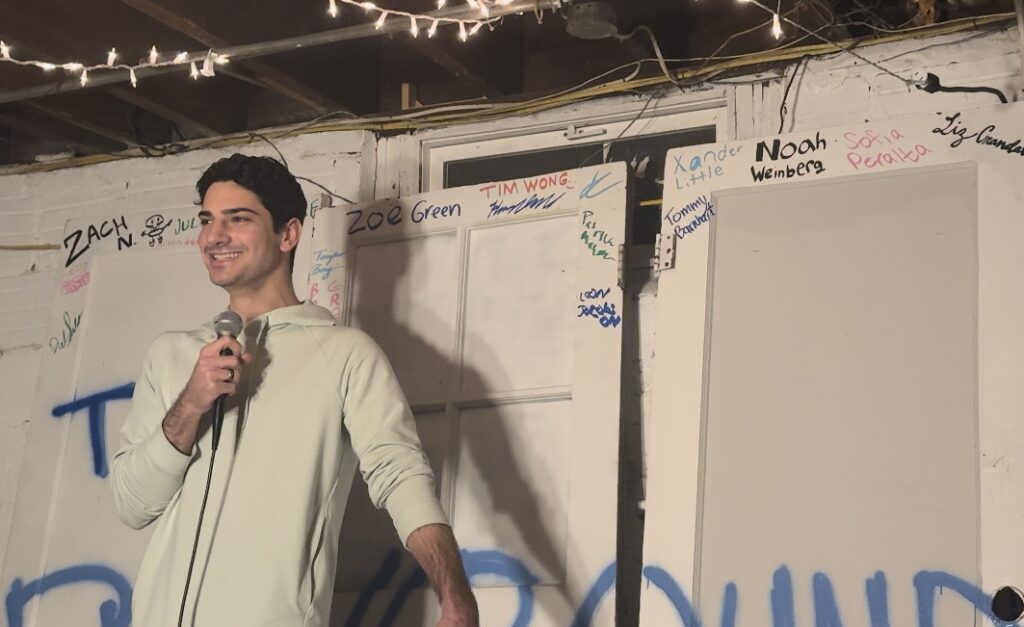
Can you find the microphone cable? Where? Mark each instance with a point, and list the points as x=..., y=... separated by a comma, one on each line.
x=195, y=544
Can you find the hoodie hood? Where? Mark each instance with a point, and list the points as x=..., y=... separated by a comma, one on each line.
x=304, y=314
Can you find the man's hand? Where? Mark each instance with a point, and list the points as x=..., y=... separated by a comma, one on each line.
x=435, y=549
x=214, y=374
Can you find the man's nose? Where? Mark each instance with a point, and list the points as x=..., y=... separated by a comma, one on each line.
x=218, y=233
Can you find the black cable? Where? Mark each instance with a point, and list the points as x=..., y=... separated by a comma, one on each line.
x=195, y=545
x=785, y=94
x=931, y=85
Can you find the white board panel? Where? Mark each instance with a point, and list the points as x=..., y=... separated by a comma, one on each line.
x=841, y=390
x=126, y=279
x=500, y=306
x=990, y=137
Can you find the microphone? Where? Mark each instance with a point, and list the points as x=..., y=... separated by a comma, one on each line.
x=226, y=323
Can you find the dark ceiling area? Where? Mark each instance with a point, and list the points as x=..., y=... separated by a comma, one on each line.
x=520, y=56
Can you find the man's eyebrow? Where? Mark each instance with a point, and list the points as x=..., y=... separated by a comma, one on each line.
x=206, y=213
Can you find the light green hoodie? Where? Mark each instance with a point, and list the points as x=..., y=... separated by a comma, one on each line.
x=314, y=393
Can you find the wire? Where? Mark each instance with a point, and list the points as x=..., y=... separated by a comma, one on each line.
x=463, y=114
x=309, y=180
x=636, y=118
x=195, y=544
x=849, y=50
x=785, y=94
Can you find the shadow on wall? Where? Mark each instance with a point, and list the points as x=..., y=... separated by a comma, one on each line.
x=472, y=441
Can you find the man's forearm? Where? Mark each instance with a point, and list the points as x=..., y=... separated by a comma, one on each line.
x=435, y=549
x=181, y=424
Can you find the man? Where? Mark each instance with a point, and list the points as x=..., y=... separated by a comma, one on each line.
x=300, y=391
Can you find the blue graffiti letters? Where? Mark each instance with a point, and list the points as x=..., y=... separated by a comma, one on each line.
x=97, y=406
x=603, y=313
x=533, y=202
x=423, y=211
x=327, y=261
x=682, y=230
x=588, y=190
x=113, y=613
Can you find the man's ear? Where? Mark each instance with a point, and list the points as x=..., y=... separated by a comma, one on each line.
x=290, y=235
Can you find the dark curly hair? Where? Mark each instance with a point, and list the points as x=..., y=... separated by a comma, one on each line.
x=266, y=177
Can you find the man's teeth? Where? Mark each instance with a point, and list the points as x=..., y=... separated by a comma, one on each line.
x=223, y=256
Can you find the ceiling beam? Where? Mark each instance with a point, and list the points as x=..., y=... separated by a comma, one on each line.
x=25, y=126
x=33, y=26
x=78, y=122
x=454, y=66
x=248, y=51
x=159, y=109
x=266, y=75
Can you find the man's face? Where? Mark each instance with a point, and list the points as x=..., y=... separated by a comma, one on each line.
x=237, y=239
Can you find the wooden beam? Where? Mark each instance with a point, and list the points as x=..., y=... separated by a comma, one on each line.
x=78, y=122
x=159, y=109
x=455, y=67
x=267, y=75
x=31, y=128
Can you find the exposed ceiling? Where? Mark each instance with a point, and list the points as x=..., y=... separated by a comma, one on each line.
x=374, y=74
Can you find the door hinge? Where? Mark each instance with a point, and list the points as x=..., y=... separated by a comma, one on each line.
x=621, y=271
x=664, y=253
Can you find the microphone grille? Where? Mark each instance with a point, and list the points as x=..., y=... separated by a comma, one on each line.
x=227, y=323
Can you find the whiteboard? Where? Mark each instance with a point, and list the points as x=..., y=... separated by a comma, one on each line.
x=701, y=182
x=841, y=391
x=125, y=279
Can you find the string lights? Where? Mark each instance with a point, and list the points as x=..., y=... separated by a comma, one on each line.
x=467, y=28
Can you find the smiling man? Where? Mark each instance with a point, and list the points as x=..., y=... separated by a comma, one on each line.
x=303, y=395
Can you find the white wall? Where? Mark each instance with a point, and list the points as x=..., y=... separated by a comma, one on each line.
x=33, y=208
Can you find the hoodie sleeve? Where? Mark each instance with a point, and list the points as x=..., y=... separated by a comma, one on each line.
x=147, y=471
x=384, y=437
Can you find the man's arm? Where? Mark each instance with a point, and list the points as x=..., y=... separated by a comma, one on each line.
x=157, y=442
x=435, y=549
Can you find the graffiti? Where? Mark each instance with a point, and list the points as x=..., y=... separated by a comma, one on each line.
x=327, y=261
x=182, y=225
x=871, y=149
x=700, y=168
x=74, y=279
x=476, y=563
x=155, y=227
x=604, y=584
x=70, y=329
x=113, y=612
x=588, y=192
x=423, y=211
x=786, y=150
x=676, y=215
x=927, y=584
x=97, y=406
x=92, y=234
x=594, y=294
x=603, y=313
x=530, y=185
x=595, y=238
x=801, y=169
x=533, y=202
x=682, y=230
x=984, y=137
x=334, y=289
x=366, y=220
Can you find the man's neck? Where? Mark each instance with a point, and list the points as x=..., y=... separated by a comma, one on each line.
x=251, y=304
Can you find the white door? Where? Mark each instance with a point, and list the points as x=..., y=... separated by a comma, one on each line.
x=500, y=309
x=837, y=377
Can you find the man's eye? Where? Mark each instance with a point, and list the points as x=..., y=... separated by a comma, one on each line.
x=204, y=221
x=239, y=219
